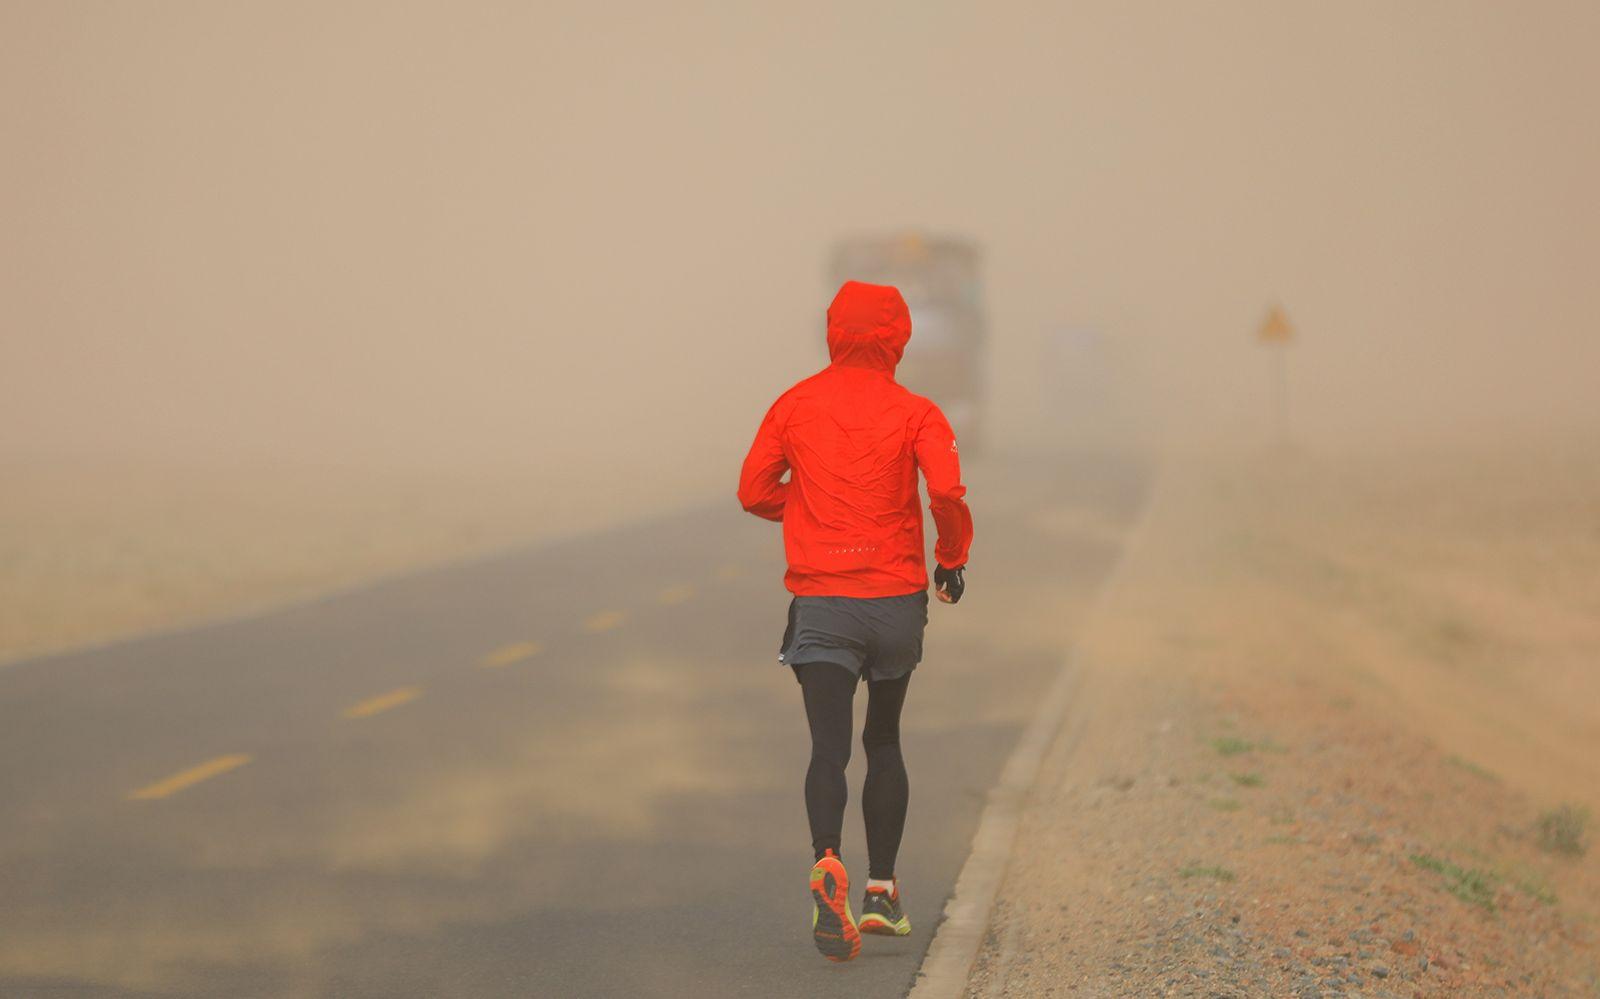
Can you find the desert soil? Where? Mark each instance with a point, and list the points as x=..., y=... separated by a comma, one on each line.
x=1338, y=726
x=93, y=551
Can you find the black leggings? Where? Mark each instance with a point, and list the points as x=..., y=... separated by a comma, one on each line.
x=829, y=691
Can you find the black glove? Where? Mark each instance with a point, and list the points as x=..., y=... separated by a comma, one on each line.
x=950, y=583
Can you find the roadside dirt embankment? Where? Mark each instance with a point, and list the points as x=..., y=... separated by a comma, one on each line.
x=96, y=551
x=1339, y=734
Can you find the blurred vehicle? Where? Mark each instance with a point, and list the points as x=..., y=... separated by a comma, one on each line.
x=940, y=281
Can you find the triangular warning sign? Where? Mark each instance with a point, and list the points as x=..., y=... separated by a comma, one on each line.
x=1275, y=328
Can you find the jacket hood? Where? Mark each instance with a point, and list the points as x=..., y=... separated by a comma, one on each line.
x=868, y=326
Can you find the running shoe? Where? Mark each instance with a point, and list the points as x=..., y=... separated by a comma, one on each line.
x=881, y=913
x=833, y=929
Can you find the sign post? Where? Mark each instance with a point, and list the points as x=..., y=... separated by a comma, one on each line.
x=1276, y=333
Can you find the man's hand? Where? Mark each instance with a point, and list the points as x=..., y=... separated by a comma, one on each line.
x=949, y=584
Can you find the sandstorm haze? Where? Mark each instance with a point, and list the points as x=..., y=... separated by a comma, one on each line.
x=569, y=236
x=376, y=614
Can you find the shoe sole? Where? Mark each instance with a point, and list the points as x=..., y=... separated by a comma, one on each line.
x=873, y=923
x=833, y=929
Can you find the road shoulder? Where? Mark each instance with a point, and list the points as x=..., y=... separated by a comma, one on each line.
x=1242, y=809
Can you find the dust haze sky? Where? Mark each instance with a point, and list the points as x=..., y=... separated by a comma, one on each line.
x=563, y=233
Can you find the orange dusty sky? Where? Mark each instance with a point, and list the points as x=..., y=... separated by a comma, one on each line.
x=558, y=234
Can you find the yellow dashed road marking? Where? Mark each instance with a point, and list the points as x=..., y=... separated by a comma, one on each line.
x=383, y=702
x=603, y=621
x=676, y=594
x=730, y=571
x=188, y=778
x=508, y=654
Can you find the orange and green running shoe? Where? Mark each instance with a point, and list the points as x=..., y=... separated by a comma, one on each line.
x=833, y=929
x=881, y=913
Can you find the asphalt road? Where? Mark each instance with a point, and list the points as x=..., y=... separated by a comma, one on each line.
x=569, y=770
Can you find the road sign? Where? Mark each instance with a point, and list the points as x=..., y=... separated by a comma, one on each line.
x=1275, y=328
x=1275, y=331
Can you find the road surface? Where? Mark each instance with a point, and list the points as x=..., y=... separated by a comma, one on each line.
x=569, y=770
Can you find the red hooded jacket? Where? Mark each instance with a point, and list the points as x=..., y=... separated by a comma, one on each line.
x=853, y=439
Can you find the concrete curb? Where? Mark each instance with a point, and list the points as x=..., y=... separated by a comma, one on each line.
x=947, y=968
x=948, y=965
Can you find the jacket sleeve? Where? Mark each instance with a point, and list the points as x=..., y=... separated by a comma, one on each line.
x=760, y=490
x=941, y=466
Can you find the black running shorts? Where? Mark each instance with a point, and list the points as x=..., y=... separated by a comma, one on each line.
x=876, y=638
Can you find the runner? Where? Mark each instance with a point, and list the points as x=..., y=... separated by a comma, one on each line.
x=852, y=440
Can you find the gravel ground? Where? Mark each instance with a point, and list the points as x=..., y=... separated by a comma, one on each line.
x=1242, y=803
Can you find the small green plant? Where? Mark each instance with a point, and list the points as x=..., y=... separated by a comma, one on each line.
x=1213, y=871
x=1225, y=804
x=1454, y=634
x=1472, y=768
x=1469, y=884
x=1229, y=745
x=1280, y=839
x=1561, y=830
x=1248, y=780
x=1537, y=889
